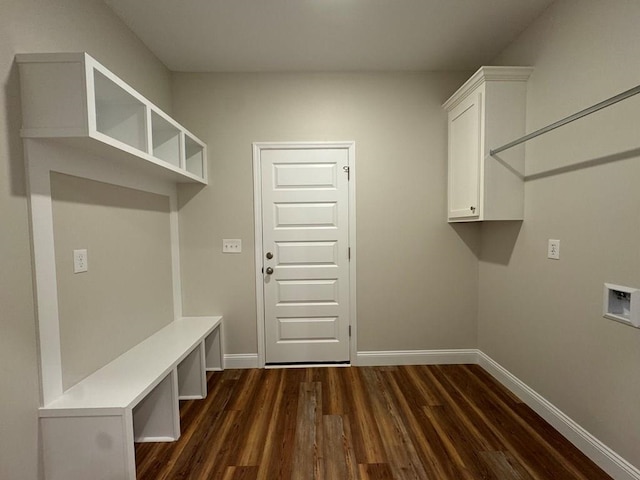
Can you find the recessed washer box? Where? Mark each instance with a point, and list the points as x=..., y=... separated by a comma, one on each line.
x=622, y=304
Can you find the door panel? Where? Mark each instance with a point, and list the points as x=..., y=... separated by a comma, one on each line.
x=320, y=329
x=306, y=215
x=308, y=292
x=464, y=158
x=300, y=176
x=307, y=253
x=305, y=195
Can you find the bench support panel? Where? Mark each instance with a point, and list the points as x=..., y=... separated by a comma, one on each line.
x=214, y=351
x=78, y=448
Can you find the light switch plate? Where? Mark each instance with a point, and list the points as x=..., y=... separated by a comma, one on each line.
x=231, y=245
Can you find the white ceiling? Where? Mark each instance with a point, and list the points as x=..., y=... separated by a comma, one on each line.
x=326, y=35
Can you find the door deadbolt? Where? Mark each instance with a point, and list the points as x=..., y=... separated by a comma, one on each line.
x=269, y=255
x=268, y=270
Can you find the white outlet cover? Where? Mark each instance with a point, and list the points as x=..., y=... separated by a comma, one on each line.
x=80, y=261
x=232, y=245
x=553, y=249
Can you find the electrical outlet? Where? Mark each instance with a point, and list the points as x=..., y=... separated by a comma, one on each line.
x=553, y=249
x=80, y=261
x=231, y=245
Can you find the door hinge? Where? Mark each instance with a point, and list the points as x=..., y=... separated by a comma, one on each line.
x=347, y=170
x=349, y=253
x=349, y=330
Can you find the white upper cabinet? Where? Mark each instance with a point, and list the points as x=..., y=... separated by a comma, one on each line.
x=485, y=113
x=73, y=98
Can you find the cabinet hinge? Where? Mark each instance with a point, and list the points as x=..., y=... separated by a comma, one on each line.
x=349, y=253
x=347, y=170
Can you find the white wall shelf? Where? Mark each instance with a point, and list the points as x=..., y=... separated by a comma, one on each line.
x=487, y=110
x=73, y=98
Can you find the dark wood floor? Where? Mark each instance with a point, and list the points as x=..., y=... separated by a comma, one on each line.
x=450, y=422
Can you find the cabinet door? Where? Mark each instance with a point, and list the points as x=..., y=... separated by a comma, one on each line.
x=464, y=158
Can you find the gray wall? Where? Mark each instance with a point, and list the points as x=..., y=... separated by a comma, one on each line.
x=43, y=26
x=416, y=275
x=542, y=319
x=127, y=293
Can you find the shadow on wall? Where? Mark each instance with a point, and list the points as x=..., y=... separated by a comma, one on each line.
x=499, y=240
x=492, y=241
x=469, y=233
x=13, y=122
x=593, y=162
x=187, y=191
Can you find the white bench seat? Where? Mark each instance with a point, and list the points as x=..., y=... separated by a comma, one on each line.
x=89, y=431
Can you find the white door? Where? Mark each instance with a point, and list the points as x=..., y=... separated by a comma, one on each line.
x=305, y=254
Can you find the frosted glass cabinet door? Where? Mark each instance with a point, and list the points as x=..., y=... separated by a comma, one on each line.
x=464, y=158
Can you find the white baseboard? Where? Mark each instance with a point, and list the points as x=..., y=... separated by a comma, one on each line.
x=416, y=357
x=240, y=360
x=607, y=459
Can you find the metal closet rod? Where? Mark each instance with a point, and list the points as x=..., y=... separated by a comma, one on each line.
x=582, y=113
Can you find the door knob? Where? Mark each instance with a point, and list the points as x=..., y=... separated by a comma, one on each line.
x=269, y=270
x=269, y=255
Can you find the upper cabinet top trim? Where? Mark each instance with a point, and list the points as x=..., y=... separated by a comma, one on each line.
x=485, y=74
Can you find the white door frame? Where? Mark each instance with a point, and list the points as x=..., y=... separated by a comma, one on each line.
x=258, y=147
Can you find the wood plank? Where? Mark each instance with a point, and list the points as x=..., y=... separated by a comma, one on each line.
x=434, y=414
x=375, y=471
x=481, y=374
x=335, y=459
x=333, y=398
x=504, y=466
x=367, y=441
x=350, y=458
x=246, y=391
x=307, y=452
x=277, y=458
x=403, y=459
x=471, y=420
x=254, y=436
x=424, y=392
x=219, y=446
x=241, y=473
x=428, y=445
